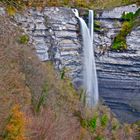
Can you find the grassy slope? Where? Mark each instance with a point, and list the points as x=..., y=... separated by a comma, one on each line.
x=21, y=74
x=22, y=80
x=12, y=86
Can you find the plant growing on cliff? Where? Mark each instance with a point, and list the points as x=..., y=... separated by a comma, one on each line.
x=24, y=39
x=97, y=26
x=42, y=98
x=63, y=73
x=104, y=120
x=120, y=40
x=103, y=125
x=129, y=16
x=130, y=21
x=13, y=5
x=15, y=128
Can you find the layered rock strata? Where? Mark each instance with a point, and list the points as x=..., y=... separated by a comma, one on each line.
x=56, y=36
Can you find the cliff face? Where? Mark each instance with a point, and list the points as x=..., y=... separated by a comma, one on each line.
x=119, y=72
x=55, y=33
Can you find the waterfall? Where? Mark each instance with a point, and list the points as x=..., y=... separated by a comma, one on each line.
x=91, y=23
x=89, y=73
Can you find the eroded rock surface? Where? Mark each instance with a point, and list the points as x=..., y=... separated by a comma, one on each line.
x=119, y=79
x=55, y=33
x=119, y=72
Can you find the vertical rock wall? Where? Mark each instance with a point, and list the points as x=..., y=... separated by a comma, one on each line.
x=119, y=72
x=55, y=33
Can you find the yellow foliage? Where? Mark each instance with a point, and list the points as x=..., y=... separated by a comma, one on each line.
x=15, y=127
x=11, y=10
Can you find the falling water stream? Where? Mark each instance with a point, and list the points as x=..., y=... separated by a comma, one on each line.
x=90, y=75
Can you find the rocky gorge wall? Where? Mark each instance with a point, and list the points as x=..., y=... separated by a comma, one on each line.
x=54, y=33
x=119, y=72
x=56, y=36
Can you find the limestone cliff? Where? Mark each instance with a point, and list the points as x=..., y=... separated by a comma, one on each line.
x=55, y=33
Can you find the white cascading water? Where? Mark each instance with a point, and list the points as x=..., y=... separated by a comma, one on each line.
x=91, y=23
x=90, y=75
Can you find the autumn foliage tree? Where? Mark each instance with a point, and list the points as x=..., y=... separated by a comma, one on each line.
x=15, y=128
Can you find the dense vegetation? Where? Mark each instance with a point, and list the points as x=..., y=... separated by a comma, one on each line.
x=130, y=21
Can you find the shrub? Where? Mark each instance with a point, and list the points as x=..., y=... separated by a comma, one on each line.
x=103, y=125
x=126, y=28
x=121, y=45
x=115, y=124
x=15, y=128
x=104, y=120
x=13, y=5
x=90, y=124
x=99, y=138
x=119, y=42
x=63, y=73
x=137, y=12
x=42, y=98
x=24, y=39
x=128, y=16
x=11, y=10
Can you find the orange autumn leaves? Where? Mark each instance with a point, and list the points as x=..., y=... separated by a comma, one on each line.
x=15, y=128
